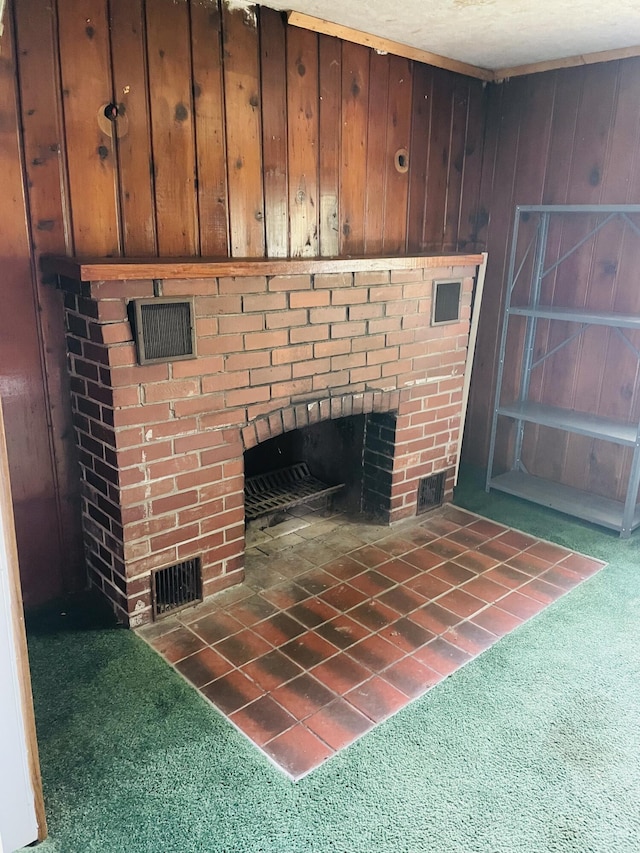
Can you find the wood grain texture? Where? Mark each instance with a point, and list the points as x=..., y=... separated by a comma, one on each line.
x=273, y=70
x=455, y=176
x=330, y=130
x=47, y=191
x=22, y=382
x=132, y=127
x=208, y=97
x=302, y=111
x=112, y=269
x=242, y=118
x=564, y=137
x=439, y=159
x=86, y=81
x=385, y=45
x=472, y=219
x=353, y=166
x=419, y=156
x=396, y=193
x=172, y=126
x=376, y=198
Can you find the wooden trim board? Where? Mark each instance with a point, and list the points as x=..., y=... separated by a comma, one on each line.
x=471, y=350
x=119, y=269
x=19, y=633
x=497, y=75
x=501, y=74
x=384, y=45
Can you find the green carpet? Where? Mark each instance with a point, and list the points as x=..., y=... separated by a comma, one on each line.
x=534, y=746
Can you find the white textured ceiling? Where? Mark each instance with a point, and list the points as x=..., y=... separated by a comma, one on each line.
x=487, y=33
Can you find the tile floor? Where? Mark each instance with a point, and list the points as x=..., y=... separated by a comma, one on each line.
x=340, y=623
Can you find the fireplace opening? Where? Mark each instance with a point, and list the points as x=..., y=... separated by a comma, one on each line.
x=316, y=466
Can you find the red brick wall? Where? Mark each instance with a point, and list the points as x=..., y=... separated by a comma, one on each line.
x=161, y=445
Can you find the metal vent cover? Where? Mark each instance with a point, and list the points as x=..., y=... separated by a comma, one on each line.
x=446, y=302
x=175, y=587
x=430, y=492
x=164, y=329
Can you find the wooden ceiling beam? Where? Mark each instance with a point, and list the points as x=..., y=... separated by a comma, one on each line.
x=501, y=74
x=384, y=45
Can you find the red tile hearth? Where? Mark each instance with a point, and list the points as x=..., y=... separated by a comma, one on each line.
x=305, y=666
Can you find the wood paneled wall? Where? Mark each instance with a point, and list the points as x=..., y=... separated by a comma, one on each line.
x=236, y=136
x=33, y=374
x=240, y=136
x=560, y=137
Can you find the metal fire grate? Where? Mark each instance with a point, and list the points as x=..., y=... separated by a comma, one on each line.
x=287, y=487
x=430, y=492
x=164, y=329
x=176, y=586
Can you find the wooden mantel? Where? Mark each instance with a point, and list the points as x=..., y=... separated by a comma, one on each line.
x=127, y=269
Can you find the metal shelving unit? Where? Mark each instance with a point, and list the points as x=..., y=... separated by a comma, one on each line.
x=622, y=516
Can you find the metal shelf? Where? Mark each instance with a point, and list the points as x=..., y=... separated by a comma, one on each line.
x=589, y=507
x=576, y=315
x=623, y=516
x=572, y=421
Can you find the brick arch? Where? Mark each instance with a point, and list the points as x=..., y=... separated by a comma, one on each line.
x=300, y=415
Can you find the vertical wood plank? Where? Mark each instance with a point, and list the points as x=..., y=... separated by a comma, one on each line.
x=172, y=127
x=45, y=166
x=536, y=106
x=242, y=117
x=274, y=132
x=398, y=138
x=419, y=156
x=439, y=156
x=330, y=77
x=302, y=110
x=42, y=122
x=613, y=287
x=556, y=191
x=132, y=128
x=377, y=129
x=86, y=81
x=353, y=168
x=206, y=48
x=496, y=196
x=13, y=612
x=472, y=218
x=594, y=122
x=21, y=382
x=455, y=171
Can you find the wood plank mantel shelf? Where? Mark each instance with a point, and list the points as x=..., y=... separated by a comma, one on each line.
x=127, y=269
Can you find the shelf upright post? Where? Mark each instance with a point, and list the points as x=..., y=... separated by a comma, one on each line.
x=503, y=344
x=631, y=499
x=532, y=324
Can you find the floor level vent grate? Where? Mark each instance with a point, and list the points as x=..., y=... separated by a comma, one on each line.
x=430, y=492
x=176, y=586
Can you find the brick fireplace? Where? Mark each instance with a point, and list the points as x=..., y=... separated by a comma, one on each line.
x=280, y=345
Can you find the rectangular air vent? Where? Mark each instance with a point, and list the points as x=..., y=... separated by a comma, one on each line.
x=176, y=586
x=430, y=492
x=164, y=329
x=446, y=302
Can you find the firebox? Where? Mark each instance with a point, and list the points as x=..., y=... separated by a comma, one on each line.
x=332, y=379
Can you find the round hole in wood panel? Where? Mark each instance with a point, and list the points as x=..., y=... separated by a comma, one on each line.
x=112, y=118
x=401, y=160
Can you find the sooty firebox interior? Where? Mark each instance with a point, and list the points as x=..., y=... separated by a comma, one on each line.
x=322, y=461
